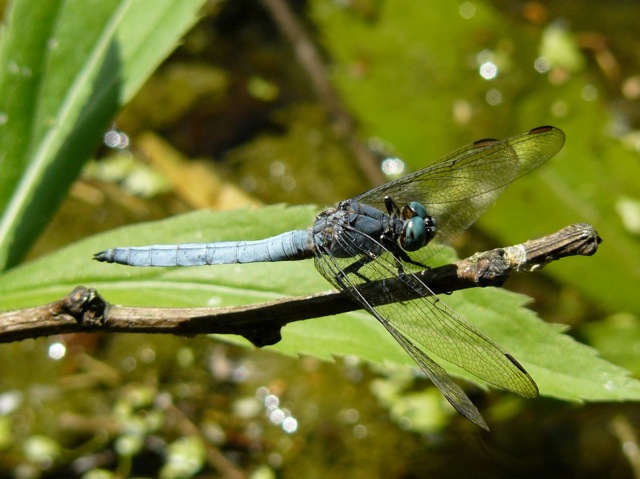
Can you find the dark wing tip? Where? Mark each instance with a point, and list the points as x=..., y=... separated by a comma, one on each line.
x=542, y=129
x=484, y=142
x=534, y=131
x=531, y=391
x=555, y=131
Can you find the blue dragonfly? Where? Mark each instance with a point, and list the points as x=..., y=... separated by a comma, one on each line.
x=388, y=233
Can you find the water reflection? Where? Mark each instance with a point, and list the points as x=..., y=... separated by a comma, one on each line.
x=494, y=97
x=279, y=416
x=467, y=10
x=488, y=70
x=393, y=167
x=589, y=93
x=542, y=65
x=57, y=350
x=116, y=139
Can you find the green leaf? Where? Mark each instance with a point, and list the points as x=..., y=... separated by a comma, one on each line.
x=66, y=69
x=562, y=367
x=617, y=337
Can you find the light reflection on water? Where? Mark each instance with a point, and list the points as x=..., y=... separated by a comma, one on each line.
x=57, y=350
x=393, y=167
x=279, y=416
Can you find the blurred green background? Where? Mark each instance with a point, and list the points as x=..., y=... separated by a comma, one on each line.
x=239, y=115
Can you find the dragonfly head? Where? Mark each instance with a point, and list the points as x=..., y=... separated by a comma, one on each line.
x=419, y=227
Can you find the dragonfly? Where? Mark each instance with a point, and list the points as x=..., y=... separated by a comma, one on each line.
x=389, y=232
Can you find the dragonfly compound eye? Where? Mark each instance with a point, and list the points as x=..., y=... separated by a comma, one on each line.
x=414, y=235
x=418, y=209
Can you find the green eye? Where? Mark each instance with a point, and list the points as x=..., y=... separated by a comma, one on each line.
x=415, y=234
x=418, y=209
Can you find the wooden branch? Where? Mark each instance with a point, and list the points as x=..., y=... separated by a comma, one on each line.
x=84, y=310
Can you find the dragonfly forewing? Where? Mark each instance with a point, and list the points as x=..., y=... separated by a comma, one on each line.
x=459, y=188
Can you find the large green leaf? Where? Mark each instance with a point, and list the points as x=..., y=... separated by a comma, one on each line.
x=562, y=368
x=67, y=66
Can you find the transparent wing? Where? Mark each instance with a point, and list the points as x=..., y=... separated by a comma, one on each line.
x=463, y=185
x=427, y=326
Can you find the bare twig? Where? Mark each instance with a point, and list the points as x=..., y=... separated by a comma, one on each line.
x=84, y=310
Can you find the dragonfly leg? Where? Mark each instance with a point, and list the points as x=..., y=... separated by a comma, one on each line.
x=407, y=259
x=398, y=253
x=391, y=206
